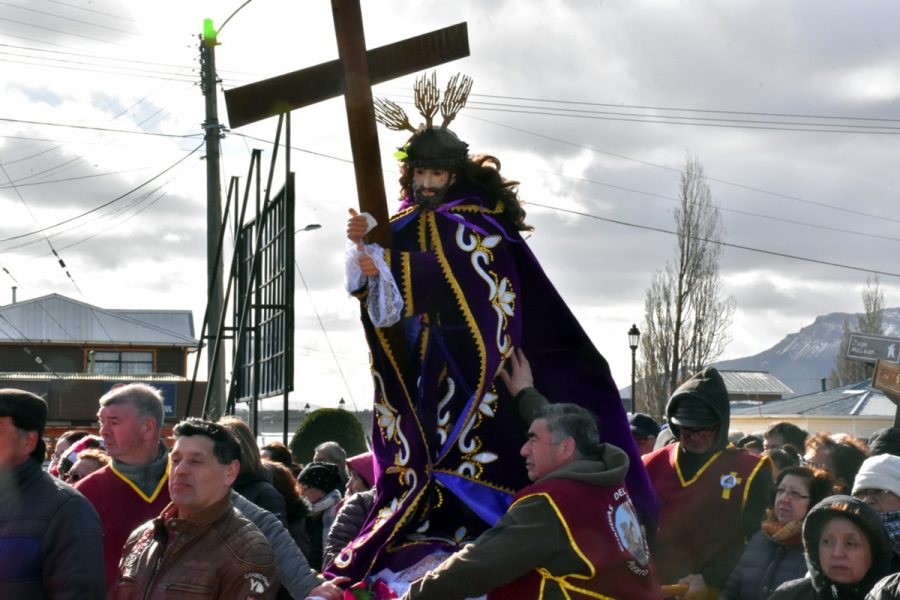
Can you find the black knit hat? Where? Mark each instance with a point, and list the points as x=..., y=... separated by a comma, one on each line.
x=643, y=425
x=28, y=412
x=885, y=441
x=320, y=475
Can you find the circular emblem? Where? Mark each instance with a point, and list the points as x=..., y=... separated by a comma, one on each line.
x=728, y=481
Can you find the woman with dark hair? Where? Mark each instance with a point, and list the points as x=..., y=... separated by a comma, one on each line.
x=784, y=457
x=840, y=458
x=278, y=452
x=298, y=507
x=253, y=483
x=775, y=554
x=847, y=552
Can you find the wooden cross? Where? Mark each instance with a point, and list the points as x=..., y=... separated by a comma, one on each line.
x=352, y=75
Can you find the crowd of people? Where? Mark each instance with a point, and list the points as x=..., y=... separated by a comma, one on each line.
x=122, y=515
x=478, y=484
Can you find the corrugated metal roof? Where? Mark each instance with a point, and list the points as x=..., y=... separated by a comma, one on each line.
x=754, y=382
x=43, y=376
x=858, y=399
x=58, y=319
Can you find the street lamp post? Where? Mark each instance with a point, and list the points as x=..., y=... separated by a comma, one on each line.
x=634, y=336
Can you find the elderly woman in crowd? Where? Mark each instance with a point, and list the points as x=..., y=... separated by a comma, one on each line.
x=320, y=483
x=775, y=554
x=847, y=552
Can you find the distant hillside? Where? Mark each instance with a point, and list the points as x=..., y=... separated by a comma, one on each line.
x=801, y=360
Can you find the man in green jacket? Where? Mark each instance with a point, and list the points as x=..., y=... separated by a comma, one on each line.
x=574, y=533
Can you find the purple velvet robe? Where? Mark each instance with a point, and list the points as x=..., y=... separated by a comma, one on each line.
x=447, y=434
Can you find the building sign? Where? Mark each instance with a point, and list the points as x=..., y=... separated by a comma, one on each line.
x=871, y=348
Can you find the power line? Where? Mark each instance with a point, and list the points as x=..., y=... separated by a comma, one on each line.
x=52, y=30
x=72, y=19
x=752, y=125
x=674, y=170
x=327, y=339
x=60, y=260
x=865, y=234
x=697, y=110
x=718, y=242
x=95, y=128
x=91, y=10
x=108, y=203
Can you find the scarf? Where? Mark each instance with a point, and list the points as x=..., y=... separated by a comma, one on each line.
x=786, y=534
x=891, y=522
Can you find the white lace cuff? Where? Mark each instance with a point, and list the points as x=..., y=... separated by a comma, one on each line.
x=385, y=303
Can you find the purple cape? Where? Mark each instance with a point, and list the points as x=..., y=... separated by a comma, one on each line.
x=447, y=434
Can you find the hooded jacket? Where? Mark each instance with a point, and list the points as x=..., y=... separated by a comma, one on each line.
x=726, y=481
x=707, y=389
x=537, y=550
x=817, y=586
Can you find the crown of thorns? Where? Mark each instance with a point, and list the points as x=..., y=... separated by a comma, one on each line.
x=428, y=100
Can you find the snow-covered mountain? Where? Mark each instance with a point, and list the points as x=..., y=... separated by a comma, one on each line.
x=802, y=359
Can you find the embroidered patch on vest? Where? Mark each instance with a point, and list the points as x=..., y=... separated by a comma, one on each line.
x=629, y=535
x=729, y=481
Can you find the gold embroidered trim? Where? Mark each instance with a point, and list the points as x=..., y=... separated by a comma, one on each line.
x=148, y=499
x=699, y=473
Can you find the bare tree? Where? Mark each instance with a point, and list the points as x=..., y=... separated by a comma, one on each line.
x=686, y=316
x=847, y=371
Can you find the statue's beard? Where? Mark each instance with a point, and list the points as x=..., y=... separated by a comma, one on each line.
x=429, y=197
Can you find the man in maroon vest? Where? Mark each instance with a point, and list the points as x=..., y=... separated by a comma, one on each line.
x=132, y=488
x=713, y=495
x=573, y=534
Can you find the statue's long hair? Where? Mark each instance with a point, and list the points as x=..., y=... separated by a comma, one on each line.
x=483, y=171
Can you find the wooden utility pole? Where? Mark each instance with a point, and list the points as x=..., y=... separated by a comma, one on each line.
x=212, y=131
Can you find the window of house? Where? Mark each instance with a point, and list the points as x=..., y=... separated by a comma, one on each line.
x=124, y=363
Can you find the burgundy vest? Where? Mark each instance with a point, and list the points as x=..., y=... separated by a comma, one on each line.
x=122, y=508
x=604, y=532
x=701, y=518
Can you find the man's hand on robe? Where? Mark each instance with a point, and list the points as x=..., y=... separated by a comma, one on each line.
x=519, y=375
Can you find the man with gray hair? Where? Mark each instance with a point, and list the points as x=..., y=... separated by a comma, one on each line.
x=573, y=532
x=132, y=488
x=331, y=452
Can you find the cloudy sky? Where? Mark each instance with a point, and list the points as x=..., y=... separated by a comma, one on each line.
x=792, y=108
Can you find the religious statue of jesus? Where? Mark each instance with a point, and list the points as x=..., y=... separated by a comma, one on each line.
x=443, y=308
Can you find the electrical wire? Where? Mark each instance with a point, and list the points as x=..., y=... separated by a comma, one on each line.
x=674, y=170
x=327, y=338
x=718, y=242
x=108, y=203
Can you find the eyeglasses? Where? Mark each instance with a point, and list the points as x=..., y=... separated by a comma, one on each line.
x=791, y=494
x=873, y=494
x=691, y=431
